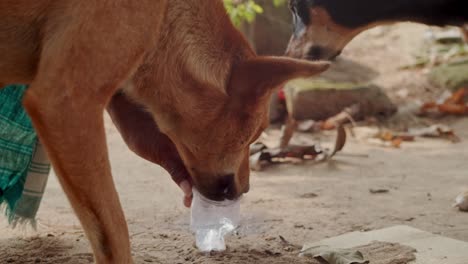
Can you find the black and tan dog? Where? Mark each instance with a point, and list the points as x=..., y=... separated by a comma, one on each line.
x=322, y=28
x=180, y=60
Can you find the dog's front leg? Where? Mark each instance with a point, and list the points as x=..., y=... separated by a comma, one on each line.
x=88, y=50
x=73, y=134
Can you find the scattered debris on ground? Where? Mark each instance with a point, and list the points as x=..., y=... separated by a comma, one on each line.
x=434, y=131
x=379, y=191
x=376, y=253
x=394, y=139
x=441, y=47
x=388, y=138
x=461, y=202
x=261, y=156
x=308, y=195
x=341, y=95
x=331, y=104
x=450, y=104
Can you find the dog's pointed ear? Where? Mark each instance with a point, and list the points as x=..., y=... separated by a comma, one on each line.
x=257, y=76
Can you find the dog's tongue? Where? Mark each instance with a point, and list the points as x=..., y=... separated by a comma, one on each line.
x=211, y=221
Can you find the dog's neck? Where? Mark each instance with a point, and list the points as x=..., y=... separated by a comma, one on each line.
x=192, y=60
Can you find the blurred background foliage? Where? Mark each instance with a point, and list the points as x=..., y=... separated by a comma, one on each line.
x=265, y=23
x=246, y=10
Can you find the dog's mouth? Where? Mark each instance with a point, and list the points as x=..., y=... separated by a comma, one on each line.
x=215, y=191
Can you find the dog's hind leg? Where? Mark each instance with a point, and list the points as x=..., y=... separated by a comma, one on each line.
x=82, y=64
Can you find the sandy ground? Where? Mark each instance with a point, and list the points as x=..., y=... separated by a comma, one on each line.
x=302, y=203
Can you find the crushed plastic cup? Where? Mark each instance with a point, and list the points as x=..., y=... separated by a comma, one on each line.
x=211, y=221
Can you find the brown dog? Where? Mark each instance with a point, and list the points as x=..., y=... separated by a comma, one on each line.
x=181, y=60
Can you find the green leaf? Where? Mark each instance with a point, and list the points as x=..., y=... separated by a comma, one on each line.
x=246, y=10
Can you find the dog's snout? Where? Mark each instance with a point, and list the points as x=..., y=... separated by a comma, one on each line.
x=224, y=187
x=219, y=188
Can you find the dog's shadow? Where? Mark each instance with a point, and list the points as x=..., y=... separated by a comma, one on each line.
x=45, y=249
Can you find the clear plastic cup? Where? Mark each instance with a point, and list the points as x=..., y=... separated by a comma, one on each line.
x=211, y=221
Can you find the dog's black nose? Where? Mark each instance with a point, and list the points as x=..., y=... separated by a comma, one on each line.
x=222, y=187
x=226, y=187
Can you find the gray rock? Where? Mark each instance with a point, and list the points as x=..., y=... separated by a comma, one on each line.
x=319, y=99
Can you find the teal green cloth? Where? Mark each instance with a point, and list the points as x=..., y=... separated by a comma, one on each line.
x=18, y=145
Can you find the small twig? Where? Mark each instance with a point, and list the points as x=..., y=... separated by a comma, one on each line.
x=287, y=132
x=287, y=243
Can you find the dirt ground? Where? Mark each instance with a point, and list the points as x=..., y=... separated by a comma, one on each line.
x=302, y=203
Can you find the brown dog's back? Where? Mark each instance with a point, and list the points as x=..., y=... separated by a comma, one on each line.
x=20, y=38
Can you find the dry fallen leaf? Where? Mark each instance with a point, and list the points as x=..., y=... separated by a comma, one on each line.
x=457, y=97
x=428, y=106
x=453, y=109
x=340, y=141
x=387, y=136
x=396, y=143
x=454, y=104
x=395, y=139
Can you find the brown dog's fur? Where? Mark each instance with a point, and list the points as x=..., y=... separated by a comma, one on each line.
x=182, y=60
